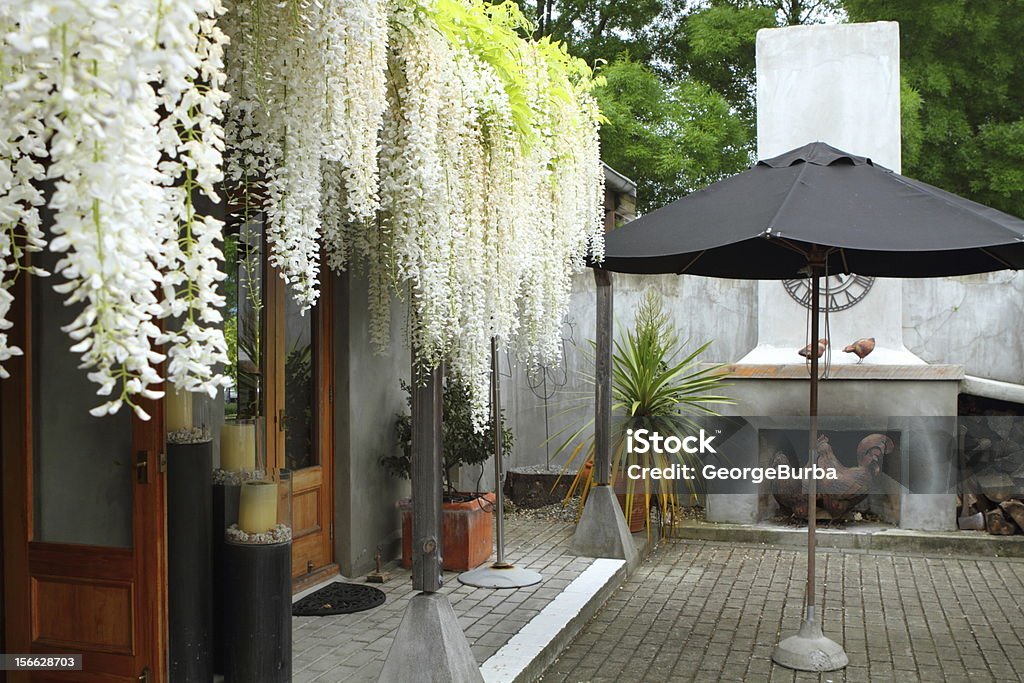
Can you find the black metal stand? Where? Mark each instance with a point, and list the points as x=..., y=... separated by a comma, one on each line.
x=225, y=513
x=189, y=562
x=258, y=613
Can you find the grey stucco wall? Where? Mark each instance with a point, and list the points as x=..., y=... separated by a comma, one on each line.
x=367, y=398
x=973, y=320
x=703, y=309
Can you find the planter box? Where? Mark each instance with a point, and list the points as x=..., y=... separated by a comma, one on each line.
x=467, y=537
x=532, y=487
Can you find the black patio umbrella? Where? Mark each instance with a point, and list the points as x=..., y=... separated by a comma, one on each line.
x=811, y=212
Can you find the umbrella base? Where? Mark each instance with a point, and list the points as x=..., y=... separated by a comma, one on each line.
x=602, y=530
x=810, y=650
x=430, y=645
x=495, y=576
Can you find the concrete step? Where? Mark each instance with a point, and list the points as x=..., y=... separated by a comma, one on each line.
x=866, y=537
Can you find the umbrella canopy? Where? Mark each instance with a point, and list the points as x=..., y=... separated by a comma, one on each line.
x=762, y=223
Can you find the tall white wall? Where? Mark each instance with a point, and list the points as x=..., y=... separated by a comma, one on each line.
x=838, y=84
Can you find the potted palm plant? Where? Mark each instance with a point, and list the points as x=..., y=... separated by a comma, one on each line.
x=656, y=385
x=467, y=517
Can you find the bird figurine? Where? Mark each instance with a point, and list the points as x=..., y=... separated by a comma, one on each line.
x=822, y=345
x=861, y=348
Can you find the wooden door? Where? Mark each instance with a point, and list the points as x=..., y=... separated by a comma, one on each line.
x=84, y=537
x=302, y=431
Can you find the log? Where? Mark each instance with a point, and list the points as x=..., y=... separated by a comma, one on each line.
x=997, y=524
x=1014, y=509
x=981, y=503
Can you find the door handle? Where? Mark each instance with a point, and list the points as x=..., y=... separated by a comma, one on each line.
x=143, y=469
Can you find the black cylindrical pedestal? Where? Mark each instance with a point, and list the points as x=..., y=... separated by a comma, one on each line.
x=225, y=513
x=189, y=562
x=257, y=585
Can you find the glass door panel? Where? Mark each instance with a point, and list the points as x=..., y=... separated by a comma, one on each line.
x=299, y=415
x=244, y=319
x=82, y=465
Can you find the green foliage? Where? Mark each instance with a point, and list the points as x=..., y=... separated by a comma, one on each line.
x=461, y=444
x=716, y=46
x=597, y=30
x=494, y=33
x=650, y=380
x=963, y=59
x=657, y=386
x=673, y=138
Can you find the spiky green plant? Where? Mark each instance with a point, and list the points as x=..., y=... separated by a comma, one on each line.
x=656, y=386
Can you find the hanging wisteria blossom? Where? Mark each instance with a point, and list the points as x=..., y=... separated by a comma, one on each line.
x=432, y=143
x=115, y=104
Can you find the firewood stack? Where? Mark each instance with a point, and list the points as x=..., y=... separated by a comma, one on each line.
x=993, y=456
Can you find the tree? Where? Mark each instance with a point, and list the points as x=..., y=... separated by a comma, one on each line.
x=963, y=59
x=598, y=30
x=670, y=138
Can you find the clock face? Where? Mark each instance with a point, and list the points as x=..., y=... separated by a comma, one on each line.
x=844, y=291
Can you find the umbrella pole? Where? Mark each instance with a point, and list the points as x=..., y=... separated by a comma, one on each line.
x=812, y=441
x=809, y=649
x=500, y=574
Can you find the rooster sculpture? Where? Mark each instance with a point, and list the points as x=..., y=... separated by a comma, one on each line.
x=822, y=345
x=835, y=496
x=861, y=348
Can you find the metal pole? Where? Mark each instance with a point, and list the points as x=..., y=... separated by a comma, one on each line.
x=499, y=520
x=500, y=574
x=427, y=400
x=603, y=379
x=812, y=487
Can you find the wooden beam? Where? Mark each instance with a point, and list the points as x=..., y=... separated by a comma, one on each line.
x=603, y=379
x=427, y=401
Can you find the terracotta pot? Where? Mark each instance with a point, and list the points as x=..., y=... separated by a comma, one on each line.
x=467, y=536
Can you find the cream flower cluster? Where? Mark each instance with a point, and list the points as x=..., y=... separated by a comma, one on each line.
x=114, y=104
x=429, y=141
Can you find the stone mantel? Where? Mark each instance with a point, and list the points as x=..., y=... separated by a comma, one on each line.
x=839, y=372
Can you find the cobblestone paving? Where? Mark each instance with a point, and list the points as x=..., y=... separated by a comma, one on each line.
x=699, y=611
x=353, y=647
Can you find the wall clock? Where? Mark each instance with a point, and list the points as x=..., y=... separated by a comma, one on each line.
x=844, y=291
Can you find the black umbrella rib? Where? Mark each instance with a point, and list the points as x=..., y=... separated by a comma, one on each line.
x=789, y=245
x=789, y=195
x=692, y=261
x=996, y=258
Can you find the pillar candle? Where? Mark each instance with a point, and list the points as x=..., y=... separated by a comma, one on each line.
x=238, y=446
x=257, y=507
x=177, y=410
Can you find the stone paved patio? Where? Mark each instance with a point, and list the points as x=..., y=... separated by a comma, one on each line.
x=352, y=647
x=700, y=611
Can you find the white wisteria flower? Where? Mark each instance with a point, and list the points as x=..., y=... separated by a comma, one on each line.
x=121, y=98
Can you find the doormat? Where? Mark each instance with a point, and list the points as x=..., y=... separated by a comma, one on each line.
x=338, y=598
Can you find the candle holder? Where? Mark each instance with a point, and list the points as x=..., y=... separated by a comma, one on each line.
x=189, y=535
x=264, y=511
x=256, y=582
x=187, y=416
x=241, y=459
x=242, y=456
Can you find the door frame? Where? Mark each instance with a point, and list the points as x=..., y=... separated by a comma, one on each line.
x=23, y=556
x=275, y=354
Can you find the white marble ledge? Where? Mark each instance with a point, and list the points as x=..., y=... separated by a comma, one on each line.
x=952, y=373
